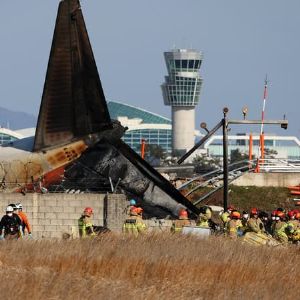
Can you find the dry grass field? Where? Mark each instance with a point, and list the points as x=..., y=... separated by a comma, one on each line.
x=149, y=267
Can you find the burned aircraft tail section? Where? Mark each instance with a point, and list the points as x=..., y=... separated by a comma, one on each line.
x=73, y=103
x=73, y=106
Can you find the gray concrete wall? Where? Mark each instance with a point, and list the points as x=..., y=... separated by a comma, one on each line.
x=268, y=179
x=51, y=215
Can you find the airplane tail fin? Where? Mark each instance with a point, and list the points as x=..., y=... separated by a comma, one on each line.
x=73, y=103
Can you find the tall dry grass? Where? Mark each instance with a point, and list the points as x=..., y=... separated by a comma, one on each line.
x=150, y=267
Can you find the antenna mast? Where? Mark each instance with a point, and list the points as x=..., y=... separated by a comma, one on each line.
x=264, y=105
x=262, y=136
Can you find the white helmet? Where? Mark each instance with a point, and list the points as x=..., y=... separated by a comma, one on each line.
x=19, y=205
x=9, y=209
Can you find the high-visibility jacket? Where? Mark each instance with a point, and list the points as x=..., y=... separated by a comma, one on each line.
x=25, y=222
x=225, y=217
x=280, y=229
x=255, y=225
x=203, y=223
x=204, y=218
x=85, y=227
x=134, y=225
x=293, y=230
x=233, y=227
x=178, y=225
x=294, y=223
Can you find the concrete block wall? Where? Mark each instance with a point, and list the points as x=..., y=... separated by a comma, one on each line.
x=116, y=211
x=159, y=225
x=268, y=179
x=51, y=215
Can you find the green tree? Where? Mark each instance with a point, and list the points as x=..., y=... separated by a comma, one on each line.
x=236, y=156
x=270, y=153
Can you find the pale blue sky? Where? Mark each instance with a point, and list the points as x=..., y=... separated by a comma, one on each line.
x=241, y=41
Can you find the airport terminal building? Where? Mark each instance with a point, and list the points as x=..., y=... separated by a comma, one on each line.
x=7, y=135
x=286, y=147
x=156, y=129
x=142, y=124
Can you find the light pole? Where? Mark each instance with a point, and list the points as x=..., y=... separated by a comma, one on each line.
x=225, y=159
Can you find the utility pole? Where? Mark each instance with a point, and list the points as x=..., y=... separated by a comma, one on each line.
x=225, y=159
x=262, y=134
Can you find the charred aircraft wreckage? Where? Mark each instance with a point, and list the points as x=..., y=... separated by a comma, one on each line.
x=76, y=144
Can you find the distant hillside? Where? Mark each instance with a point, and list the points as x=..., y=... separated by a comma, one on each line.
x=16, y=120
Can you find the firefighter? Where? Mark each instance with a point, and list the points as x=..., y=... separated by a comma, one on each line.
x=24, y=219
x=244, y=220
x=10, y=225
x=85, y=224
x=273, y=221
x=280, y=228
x=204, y=218
x=134, y=224
x=225, y=216
x=234, y=225
x=255, y=224
x=182, y=221
x=264, y=217
x=15, y=211
x=293, y=228
x=132, y=203
x=297, y=231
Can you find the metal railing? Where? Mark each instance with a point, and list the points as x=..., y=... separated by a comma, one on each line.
x=277, y=165
x=218, y=173
x=215, y=178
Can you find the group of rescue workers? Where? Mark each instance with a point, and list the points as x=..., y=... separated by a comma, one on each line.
x=133, y=224
x=281, y=225
x=284, y=226
x=14, y=224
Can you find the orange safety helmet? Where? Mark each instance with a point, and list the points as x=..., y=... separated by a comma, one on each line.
x=297, y=216
x=274, y=213
x=139, y=210
x=88, y=211
x=280, y=214
x=235, y=215
x=183, y=213
x=254, y=211
x=133, y=211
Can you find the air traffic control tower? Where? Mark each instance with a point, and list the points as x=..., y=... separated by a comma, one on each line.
x=181, y=90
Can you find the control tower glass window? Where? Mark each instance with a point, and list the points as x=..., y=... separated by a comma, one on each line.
x=191, y=64
x=183, y=84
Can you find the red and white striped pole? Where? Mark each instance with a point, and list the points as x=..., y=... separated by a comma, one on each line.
x=264, y=105
x=262, y=137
